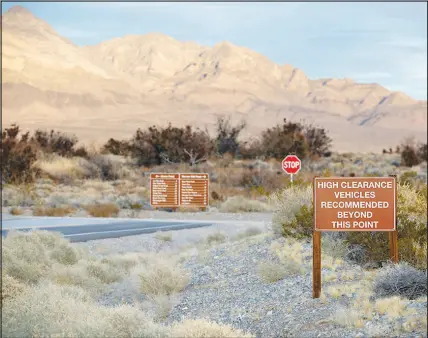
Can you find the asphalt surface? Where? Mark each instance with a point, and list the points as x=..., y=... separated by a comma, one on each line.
x=86, y=229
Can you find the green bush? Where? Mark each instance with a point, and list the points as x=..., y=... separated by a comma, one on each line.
x=412, y=229
x=302, y=225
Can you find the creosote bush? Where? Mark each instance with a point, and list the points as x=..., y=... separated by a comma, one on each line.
x=18, y=155
x=400, y=280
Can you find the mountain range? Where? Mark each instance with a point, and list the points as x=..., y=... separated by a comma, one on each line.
x=111, y=89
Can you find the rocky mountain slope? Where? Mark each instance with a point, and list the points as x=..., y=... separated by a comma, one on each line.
x=138, y=80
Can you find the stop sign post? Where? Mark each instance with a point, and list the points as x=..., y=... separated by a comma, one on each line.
x=291, y=164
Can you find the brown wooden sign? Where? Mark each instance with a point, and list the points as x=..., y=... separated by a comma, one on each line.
x=175, y=190
x=194, y=190
x=164, y=190
x=355, y=203
x=352, y=204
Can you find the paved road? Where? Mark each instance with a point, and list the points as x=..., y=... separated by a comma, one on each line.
x=86, y=229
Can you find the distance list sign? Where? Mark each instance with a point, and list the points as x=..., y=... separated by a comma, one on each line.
x=355, y=203
x=175, y=190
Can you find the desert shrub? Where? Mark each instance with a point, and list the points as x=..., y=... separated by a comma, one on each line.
x=271, y=272
x=164, y=236
x=108, y=169
x=412, y=229
x=400, y=280
x=102, y=210
x=197, y=328
x=301, y=226
x=241, y=204
x=408, y=177
x=226, y=139
x=10, y=287
x=55, y=142
x=28, y=257
x=50, y=310
x=334, y=246
x=116, y=147
x=290, y=138
x=53, y=212
x=63, y=169
x=287, y=203
x=162, y=277
x=18, y=155
x=16, y=211
x=319, y=143
x=104, y=272
x=171, y=145
x=216, y=238
x=413, y=154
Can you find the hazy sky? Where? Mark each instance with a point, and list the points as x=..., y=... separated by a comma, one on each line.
x=369, y=42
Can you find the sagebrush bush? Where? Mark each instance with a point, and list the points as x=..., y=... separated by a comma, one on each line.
x=10, y=287
x=400, y=280
x=102, y=210
x=28, y=257
x=162, y=277
x=50, y=310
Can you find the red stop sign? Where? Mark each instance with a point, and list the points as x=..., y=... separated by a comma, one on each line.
x=291, y=164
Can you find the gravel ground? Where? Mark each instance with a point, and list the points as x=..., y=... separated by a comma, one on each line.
x=225, y=285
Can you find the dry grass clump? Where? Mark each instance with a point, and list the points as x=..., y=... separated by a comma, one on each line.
x=162, y=276
x=271, y=272
x=67, y=311
x=63, y=168
x=30, y=256
x=250, y=232
x=292, y=256
x=201, y=328
x=10, y=287
x=53, y=212
x=241, y=204
x=164, y=236
x=216, y=238
x=16, y=211
x=393, y=307
x=104, y=272
x=102, y=210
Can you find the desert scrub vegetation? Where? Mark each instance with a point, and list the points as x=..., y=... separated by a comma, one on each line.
x=164, y=236
x=102, y=210
x=55, y=212
x=400, y=280
x=241, y=204
x=293, y=217
x=162, y=276
x=50, y=289
x=289, y=203
x=271, y=272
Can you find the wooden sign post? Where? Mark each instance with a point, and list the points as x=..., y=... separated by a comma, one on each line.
x=352, y=204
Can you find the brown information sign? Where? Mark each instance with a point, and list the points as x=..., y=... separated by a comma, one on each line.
x=355, y=203
x=194, y=190
x=164, y=190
